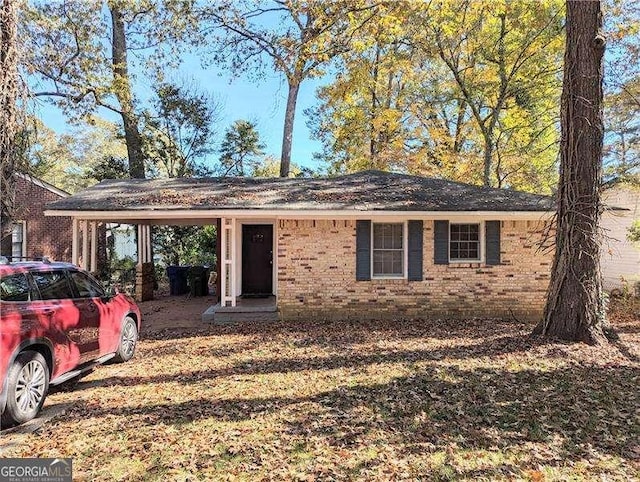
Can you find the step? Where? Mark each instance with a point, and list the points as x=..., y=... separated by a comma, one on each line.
x=212, y=316
x=249, y=317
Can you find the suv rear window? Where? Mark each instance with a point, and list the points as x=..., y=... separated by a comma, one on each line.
x=14, y=288
x=86, y=287
x=53, y=285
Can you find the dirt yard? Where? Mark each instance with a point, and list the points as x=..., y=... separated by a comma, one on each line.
x=174, y=312
x=400, y=400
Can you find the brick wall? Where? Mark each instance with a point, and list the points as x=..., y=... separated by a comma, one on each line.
x=316, y=277
x=45, y=236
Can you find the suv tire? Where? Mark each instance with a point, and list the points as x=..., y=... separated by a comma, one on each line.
x=27, y=387
x=128, y=340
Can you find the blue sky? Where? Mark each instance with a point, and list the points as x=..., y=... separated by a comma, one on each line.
x=262, y=102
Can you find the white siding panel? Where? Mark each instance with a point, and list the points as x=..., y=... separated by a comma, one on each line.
x=620, y=257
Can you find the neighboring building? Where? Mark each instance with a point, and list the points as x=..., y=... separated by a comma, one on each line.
x=620, y=258
x=33, y=234
x=365, y=245
x=122, y=238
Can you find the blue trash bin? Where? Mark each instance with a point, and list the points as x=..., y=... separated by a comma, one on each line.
x=178, y=280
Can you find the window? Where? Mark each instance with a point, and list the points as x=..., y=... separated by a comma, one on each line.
x=53, y=285
x=464, y=242
x=87, y=287
x=18, y=244
x=14, y=288
x=388, y=249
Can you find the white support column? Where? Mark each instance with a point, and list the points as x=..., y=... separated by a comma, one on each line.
x=94, y=246
x=140, y=244
x=223, y=263
x=228, y=267
x=85, y=244
x=147, y=239
x=234, y=256
x=74, y=241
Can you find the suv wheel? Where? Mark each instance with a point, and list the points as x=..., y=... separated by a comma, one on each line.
x=27, y=386
x=128, y=340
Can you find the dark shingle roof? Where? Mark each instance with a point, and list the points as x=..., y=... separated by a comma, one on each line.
x=362, y=191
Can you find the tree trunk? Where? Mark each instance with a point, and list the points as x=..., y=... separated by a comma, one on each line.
x=124, y=94
x=457, y=144
x=575, y=310
x=487, y=159
x=9, y=90
x=287, y=136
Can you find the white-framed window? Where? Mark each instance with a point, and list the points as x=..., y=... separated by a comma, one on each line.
x=19, y=240
x=388, y=250
x=465, y=242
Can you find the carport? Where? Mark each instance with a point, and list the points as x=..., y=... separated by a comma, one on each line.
x=146, y=203
x=85, y=226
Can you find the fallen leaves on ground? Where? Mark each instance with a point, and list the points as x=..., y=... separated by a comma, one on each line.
x=375, y=400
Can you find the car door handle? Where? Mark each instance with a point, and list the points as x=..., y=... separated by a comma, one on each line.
x=48, y=311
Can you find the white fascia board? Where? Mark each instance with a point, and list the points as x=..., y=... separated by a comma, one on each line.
x=183, y=215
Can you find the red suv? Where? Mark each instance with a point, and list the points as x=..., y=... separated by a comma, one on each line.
x=56, y=322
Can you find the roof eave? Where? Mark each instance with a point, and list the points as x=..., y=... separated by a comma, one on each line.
x=186, y=214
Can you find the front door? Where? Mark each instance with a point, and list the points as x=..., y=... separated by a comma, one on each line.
x=257, y=259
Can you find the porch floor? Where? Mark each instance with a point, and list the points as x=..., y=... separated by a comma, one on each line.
x=246, y=309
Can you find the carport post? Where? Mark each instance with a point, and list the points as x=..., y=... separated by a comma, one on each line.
x=85, y=244
x=94, y=246
x=147, y=238
x=144, y=244
x=228, y=285
x=219, y=259
x=74, y=241
x=139, y=253
x=144, y=268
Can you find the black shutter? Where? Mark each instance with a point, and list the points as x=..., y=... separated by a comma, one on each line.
x=363, y=250
x=492, y=241
x=441, y=242
x=414, y=271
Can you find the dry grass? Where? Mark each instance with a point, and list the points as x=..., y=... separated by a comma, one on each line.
x=396, y=400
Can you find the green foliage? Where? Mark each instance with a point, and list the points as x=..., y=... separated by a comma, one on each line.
x=241, y=148
x=363, y=118
x=80, y=53
x=179, y=133
x=634, y=232
x=121, y=272
x=184, y=245
x=462, y=90
x=108, y=168
x=621, y=153
x=270, y=167
x=297, y=39
x=622, y=92
x=68, y=160
x=70, y=47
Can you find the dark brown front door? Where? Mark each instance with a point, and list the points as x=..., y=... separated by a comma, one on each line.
x=257, y=259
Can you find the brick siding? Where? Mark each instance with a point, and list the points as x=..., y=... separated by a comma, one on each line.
x=45, y=236
x=316, y=277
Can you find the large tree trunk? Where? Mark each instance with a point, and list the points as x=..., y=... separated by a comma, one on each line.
x=9, y=89
x=124, y=94
x=373, y=138
x=287, y=136
x=575, y=310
